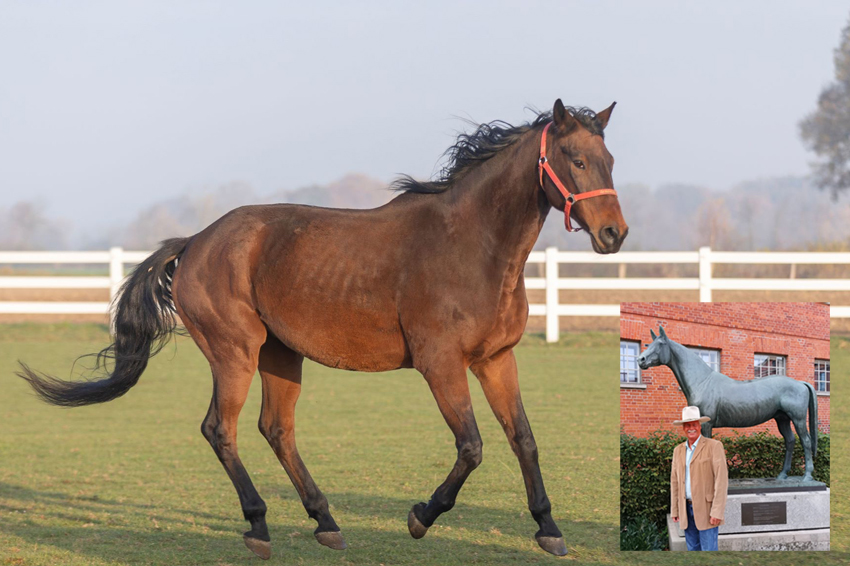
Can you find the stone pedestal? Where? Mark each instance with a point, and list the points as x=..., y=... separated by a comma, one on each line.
x=769, y=514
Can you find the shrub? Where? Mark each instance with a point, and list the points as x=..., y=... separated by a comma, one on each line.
x=645, y=476
x=761, y=455
x=642, y=534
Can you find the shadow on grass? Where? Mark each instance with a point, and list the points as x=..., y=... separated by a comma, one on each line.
x=90, y=504
x=468, y=534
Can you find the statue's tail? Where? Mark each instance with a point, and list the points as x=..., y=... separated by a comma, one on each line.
x=813, y=419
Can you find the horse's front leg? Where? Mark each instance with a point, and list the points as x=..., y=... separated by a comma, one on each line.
x=446, y=376
x=498, y=377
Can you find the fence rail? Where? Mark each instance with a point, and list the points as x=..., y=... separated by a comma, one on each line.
x=117, y=259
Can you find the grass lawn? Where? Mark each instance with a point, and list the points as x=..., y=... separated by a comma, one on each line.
x=134, y=482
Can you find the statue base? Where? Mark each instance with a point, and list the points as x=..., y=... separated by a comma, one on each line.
x=770, y=514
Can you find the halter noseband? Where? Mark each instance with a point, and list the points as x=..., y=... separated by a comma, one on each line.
x=543, y=165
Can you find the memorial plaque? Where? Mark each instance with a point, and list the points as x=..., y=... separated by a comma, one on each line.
x=768, y=513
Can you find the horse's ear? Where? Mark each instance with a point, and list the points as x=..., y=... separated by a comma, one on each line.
x=654, y=337
x=563, y=119
x=661, y=330
x=605, y=115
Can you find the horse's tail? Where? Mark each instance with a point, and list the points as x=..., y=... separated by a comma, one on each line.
x=813, y=418
x=144, y=318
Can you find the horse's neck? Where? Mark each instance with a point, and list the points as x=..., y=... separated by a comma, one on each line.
x=682, y=362
x=502, y=196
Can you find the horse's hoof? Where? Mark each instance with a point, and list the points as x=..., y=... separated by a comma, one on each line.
x=553, y=545
x=261, y=548
x=331, y=539
x=417, y=529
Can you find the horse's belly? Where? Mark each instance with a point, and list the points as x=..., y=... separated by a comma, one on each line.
x=744, y=416
x=343, y=338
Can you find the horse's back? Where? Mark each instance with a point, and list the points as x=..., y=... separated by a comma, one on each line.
x=752, y=402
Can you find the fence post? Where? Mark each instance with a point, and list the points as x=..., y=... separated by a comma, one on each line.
x=705, y=274
x=116, y=276
x=553, y=328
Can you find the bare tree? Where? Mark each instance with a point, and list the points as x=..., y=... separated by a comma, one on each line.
x=715, y=228
x=185, y=215
x=25, y=226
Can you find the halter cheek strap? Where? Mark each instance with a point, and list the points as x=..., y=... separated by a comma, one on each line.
x=543, y=166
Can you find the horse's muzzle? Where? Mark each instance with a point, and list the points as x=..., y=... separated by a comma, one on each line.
x=609, y=239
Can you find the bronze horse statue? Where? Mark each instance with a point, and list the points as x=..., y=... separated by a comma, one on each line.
x=732, y=403
x=433, y=280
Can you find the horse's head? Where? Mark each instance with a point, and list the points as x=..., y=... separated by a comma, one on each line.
x=658, y=353
x=577, y=155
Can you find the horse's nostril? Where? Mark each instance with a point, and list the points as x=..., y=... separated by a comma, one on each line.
x=609, y=235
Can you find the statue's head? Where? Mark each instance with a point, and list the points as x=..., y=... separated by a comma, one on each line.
x=657, y=353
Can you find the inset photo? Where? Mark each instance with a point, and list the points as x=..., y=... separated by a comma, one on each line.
x=724, y=426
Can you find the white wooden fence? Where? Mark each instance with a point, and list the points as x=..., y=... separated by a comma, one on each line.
x=117, y=258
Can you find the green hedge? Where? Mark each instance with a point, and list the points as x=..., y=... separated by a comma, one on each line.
x=645, y=468
x=761, y=455
x=645, y=475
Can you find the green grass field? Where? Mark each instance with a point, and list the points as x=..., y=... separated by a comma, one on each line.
x=134, y=482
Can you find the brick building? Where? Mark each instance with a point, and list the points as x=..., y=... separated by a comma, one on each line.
x=741, y=340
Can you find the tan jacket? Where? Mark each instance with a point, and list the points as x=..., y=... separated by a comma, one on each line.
x=709, y=483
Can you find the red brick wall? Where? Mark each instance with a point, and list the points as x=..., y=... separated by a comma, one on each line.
x=798, y=331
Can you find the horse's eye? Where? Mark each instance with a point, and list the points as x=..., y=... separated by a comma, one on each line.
x=579, y=163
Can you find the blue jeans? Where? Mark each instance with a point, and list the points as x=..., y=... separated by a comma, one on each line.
x=696, y=539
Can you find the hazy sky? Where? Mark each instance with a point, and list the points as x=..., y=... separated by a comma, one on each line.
x=106, y=107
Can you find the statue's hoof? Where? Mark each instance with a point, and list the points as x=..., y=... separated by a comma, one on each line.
x=417, y=529
x=553, y=545
x=331, y=539
x=782, y=476
x=261, y=548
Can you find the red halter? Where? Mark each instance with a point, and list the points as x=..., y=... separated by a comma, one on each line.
x=543, y=165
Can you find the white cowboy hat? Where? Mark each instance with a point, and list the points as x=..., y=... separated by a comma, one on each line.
x=690, y=414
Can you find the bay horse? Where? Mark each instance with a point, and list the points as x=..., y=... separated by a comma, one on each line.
x=433, y=280
x=733, y=403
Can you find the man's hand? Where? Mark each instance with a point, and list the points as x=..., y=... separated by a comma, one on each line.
x=675, y=519
x=714, y=521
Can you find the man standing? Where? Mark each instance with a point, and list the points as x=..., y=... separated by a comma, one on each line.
x=698, y=483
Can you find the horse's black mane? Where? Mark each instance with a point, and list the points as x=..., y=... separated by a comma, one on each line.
x=484, y=143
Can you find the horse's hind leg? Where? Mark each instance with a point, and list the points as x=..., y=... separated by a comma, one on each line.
x=498, y=377
x=448, y=383
x=806, y=439
x=784, y=425
x=280, y=369
x=232, y=352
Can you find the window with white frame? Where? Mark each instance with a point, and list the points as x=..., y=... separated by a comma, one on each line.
x=768, y=364
x=710, y=357
x=822, y=376
x=629, y=370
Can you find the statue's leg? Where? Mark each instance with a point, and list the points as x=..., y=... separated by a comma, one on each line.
x=803, y=433
x=784, y=425
x=706, y=429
